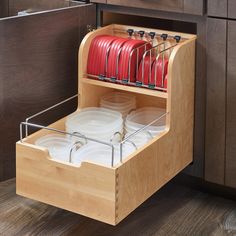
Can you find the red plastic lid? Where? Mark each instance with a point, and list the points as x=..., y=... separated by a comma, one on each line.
x=145, y=69
x=113, y=57
x=130, y=58
x=91, y=57
x=157, y=71
x=165, y=82
x=99, y=49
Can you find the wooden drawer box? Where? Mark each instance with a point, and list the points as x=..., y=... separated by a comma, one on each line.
x=180, y=6
x=109, y=194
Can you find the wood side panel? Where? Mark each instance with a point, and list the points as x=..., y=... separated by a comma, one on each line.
x=232, y=9
x=157, y=163
x=4, y=8
x=216, y=101
x=197, y=167
x=217, y=8
x=194, y=7
x=34, y=5
x=230, y=170
x=38, y=68
x=164, y=5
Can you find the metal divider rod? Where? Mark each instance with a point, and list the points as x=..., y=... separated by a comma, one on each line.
x=65, y=133
x=106, y=62
x=162, y=70
x=144, y=55
x=45, y=110
x=143, y=128
x=130, y=57
x=117, y=62
x=168, y=48
x=135, y=32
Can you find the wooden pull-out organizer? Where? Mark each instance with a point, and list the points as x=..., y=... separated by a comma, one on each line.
x=110, y=194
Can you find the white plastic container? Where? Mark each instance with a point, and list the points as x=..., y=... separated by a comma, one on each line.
x=101, y=154
x=139, y=139
x=138, y=119
x=144, y=116
x=96, y=123
x=118, y=101
x=59, y=146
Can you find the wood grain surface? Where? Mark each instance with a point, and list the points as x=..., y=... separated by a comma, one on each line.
x=34, y=5
x=165, y=5
x=230, y=170
x=217, y=8
x=232, y=9
x=216, y=100
x=3, y=8
x=195, y=7
x=38, y=68
x=174, y=210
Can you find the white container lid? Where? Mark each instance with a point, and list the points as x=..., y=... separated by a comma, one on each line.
x=118, y=99
x=141, y=117
x=59, y=146
x=94, y=120
x=101, y=154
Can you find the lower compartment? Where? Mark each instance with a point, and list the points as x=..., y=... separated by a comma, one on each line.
x=103, y=193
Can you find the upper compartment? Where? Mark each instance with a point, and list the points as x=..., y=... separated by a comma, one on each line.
x=150, y=63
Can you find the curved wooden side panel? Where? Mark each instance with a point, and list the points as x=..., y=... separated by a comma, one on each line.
x=143, y=174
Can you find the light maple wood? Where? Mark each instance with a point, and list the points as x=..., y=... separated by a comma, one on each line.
x=110, y=194
x=126, y=88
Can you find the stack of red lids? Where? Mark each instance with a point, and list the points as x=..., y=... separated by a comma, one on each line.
x=131, y=55
x=159, y=72
x=113, y=59
x=122, y=59
x=145, y=70
x=98, y=53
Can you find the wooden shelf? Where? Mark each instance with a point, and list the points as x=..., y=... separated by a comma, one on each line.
x=137, y=90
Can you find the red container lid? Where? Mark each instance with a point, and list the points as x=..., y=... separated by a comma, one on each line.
x=99, y=50
x=113, y=57
x=157, y=71
x=145, y=69
x=130, y=58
